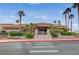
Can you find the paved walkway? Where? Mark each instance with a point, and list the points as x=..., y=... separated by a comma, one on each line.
x=43, y=37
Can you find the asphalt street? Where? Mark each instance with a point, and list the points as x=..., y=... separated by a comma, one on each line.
x=40, y=48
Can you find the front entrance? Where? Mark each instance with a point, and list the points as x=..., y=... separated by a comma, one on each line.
x=42, y=30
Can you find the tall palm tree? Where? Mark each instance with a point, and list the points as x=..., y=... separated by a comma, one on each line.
x=59, y=22
x=65, y=13
x=68, y=10
x=21, y=13
x=71, y=17
x=76, y=5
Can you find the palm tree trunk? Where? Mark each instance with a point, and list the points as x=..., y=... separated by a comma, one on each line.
x=68, y=20
x=71, y=24
x=65, y=20
x=78, y=19
x=29, y=28
x=20, y=22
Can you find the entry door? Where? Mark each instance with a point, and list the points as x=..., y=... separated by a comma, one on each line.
x=42, y=31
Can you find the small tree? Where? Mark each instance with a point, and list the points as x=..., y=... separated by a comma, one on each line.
x=54, y=22
x=59, y=22
x=17, y=21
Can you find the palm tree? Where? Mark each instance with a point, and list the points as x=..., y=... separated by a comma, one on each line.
x=68, y=10
x=76, y=5
x=17, y=21
x=65, y=13
x=21, y=13
x=54, y=21
x=71, y=17
x=59, y=22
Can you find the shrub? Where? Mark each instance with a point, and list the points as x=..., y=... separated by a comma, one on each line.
x=67, y=33
x=3, y=33
x=54, y=35
x=28, y=35
x=15, y=33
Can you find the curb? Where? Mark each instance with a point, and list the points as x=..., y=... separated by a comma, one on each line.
x=12, y=41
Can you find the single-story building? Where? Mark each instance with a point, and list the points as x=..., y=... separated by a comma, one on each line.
x=39, y=26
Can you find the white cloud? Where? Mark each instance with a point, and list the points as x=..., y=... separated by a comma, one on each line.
x=44, y=17
x=7, y=19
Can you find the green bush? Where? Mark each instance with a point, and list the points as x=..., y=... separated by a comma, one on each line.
x=15, y=33
x=28, y=35
x=3, y=33
x=67, y=33
x=54, y=35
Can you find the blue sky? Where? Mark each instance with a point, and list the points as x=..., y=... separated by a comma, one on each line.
x=35, y=13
